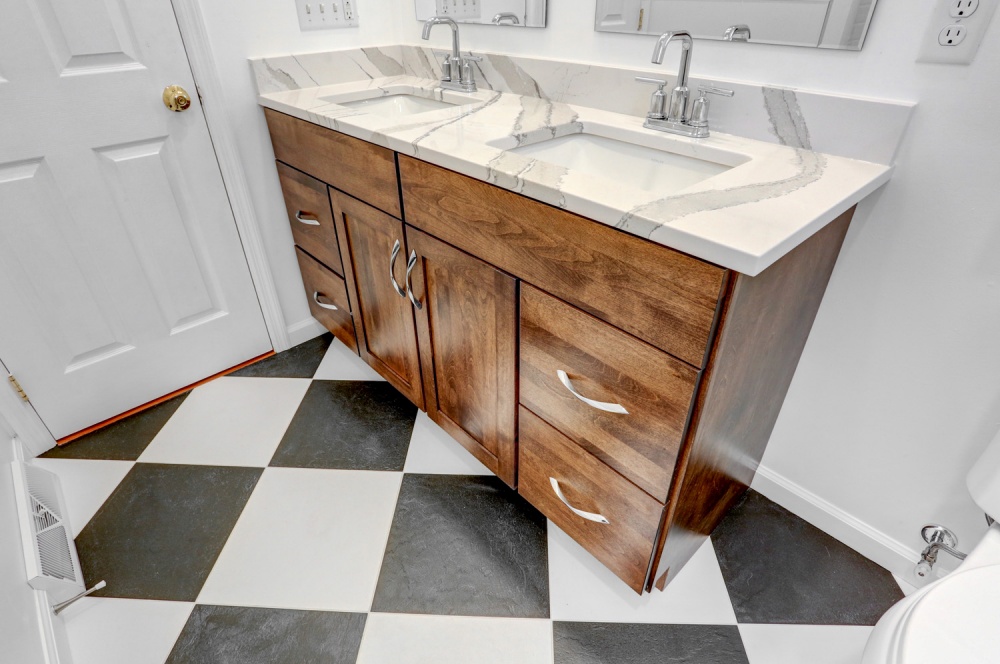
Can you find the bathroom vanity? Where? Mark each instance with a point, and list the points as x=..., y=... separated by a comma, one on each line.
x=620, y=370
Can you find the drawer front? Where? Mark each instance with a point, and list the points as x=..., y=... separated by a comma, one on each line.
x=308, y=206
x=625, y=543
x=614, y=372
x=659, y=295
x=354, y=166
x=328, y=299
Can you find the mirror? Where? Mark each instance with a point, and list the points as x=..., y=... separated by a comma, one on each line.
x=515, y=13
x=840, y=24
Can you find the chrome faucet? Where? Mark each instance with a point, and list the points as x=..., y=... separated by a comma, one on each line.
x=738, y=32
x=456, y=71
x=506, y=18
x=674, y=115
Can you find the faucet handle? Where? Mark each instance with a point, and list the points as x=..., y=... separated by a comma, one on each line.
x=711, y=89
x=658, y=102
x=655, y=81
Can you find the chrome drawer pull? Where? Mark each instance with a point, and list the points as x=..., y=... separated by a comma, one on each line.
x=589, y=516
x=308, y=219
x=599, y=405
x=392, y=269
x=409, y=287
x=331, y=307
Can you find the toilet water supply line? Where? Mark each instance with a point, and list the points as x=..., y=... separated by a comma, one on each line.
x=938, y=538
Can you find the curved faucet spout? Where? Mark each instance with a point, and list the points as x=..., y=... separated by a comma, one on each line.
x=444, y=20
x=677, y=108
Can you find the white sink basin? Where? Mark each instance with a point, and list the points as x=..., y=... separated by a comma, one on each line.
x=633, y=165
x=397, y=105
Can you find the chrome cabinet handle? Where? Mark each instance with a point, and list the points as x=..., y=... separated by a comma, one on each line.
x=599, y=405
x=331, y=307
x=308, y=221
x=392, y=269
x=589, y=516
x=409, y=286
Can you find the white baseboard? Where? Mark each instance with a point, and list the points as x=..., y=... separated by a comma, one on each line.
x=304, y=330
x=855, y=533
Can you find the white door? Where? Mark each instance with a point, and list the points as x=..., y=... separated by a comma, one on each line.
x=122, y=277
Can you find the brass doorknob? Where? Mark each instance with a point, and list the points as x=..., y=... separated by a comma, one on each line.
x=176, y=98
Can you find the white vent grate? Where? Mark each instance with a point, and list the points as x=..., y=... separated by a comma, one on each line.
x=49, y=552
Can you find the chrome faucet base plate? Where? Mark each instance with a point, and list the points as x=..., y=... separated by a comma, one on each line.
x=458, y=87
x=675, y=127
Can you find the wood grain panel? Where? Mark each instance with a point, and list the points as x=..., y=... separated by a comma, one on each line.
x=657, y=294
x=760, y=340
x=468, y=348
x=605, y=364
x=329, y=289
x=351, y=165
x=624, y=544
x=307, y=197
x=386, y=318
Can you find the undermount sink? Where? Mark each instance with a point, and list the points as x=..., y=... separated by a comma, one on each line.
x=397, y=105
x=638, y=166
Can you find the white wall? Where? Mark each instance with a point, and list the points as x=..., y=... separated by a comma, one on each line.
x=238, y=30
x=899, y=387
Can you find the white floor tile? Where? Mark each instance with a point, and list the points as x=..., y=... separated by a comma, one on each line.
x=904, y=585
x=435, y=452
x=123, y=631
x=340, y=363
x=86, y=484
x=795, y=644
x=307, y=539
x=584, y=590
x=421, y=639
x=231, y=421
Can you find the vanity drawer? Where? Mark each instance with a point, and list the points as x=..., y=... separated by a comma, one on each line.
x=308, y=206
x=328, y=299
x=354, y=166
x=615, y=371
x=625, y=543
x=660, y=295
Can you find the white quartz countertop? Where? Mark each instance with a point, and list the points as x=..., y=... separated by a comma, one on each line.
x=770, y=199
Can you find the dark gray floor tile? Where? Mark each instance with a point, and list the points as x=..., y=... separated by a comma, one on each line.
x=464, y=545
x=241, y=635
x=124, y=440
x=780, y=569
x=159, y=534
x=297, y=362
x=614, y=643
x=353, y=425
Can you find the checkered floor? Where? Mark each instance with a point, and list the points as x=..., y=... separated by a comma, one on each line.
x=301, y=510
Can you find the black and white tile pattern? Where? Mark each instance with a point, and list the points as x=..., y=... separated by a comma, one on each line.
x=303, y=511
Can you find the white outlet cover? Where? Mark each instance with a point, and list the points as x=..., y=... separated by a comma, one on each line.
x=952, y=35
x=326, y=14
x=974, y=26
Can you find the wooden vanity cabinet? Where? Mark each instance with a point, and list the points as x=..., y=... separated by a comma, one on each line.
x=377, y=251
x=627, y=390
x=466, y=315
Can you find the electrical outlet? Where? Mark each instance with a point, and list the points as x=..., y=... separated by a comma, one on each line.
x=963, y=8
x=952, y=35
x=459, y=9
x=955, y=30
x=326, y=14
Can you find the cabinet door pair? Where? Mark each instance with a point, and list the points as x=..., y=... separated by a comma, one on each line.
x=441, y=326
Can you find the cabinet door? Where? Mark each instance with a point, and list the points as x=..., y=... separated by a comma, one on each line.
x=386, y=315
x=467, y=324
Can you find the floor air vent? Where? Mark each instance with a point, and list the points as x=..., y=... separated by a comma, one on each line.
x=49, y=553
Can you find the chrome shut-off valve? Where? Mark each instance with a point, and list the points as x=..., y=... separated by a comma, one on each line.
x=938, y=538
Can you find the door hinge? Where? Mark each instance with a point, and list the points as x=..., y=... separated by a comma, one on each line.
x=18, y=388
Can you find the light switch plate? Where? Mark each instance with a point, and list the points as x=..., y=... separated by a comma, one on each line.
x=970, y=26
x=326, y=14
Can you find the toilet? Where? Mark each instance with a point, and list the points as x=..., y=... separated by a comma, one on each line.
x=955, y=619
